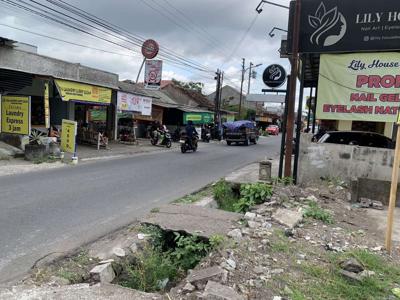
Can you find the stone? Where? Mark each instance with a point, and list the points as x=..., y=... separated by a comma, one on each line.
x=253, y=224
x=351, y=265
x=366, y=274
x=142, y=236
x=103, y=273
x=217, y=291
x=133, y=247
x=119, y=252
x=231, y=263
x=377, y=205
x=350, y=275
x=277, y=271
x=106, y=261
x=250, y=216
x=204, y=275
x=313, y=198
x=259, y=270
x=188, y=288
x=235, y=234
x=365, y=202
x=277, y=298
x=288, y=218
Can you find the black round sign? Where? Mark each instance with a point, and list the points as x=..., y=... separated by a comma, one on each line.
x=274, y=76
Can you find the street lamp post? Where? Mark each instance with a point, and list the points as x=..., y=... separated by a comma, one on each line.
x=244, y=70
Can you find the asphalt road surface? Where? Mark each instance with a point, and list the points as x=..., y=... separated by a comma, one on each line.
x=55, y=211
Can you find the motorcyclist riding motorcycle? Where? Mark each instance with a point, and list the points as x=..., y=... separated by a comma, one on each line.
x=160, y=135
x=189, y=138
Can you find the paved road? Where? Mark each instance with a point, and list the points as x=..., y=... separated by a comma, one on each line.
x=58, y=210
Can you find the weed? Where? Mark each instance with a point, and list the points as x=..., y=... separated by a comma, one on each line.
x=284, y=180
x=314, y=211
x=189, y=250
x=192, y=198
x=243, y=205
x=72, y=277
x=157, y=236
x=325, y=282
x=224, y=196
x=255, y=192
x=216, y=241
x=151, y=269
x=155, y=210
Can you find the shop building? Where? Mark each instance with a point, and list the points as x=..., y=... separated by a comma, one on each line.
x=57, y=90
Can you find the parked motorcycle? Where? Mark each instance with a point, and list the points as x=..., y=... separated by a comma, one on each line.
x=166, y=139
x=187, y=145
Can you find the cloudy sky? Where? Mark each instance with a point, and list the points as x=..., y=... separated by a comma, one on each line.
x=211, y=34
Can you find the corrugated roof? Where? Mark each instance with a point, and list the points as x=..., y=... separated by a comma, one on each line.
x=130, y=87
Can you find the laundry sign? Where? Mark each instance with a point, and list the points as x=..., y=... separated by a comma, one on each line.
x=359, y=87
x=15, y=115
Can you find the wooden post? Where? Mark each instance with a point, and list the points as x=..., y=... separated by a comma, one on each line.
x=393, y=193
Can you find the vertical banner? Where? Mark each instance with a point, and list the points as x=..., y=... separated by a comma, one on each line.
x=16, y=115
x=68, y=134
x=152, y=74
x=46, y=105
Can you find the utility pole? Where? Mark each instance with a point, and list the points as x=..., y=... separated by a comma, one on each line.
x=248, y=84
x=292, y=91
x=241, y=88
x=217, y=98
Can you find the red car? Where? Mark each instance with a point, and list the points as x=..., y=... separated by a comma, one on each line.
x=272, y=129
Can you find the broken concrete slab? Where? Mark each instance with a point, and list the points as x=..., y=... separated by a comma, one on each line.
x=7, y=151
x=204, y=275
x=207, y=202
x=351, y=265
x=103, y=273
x=192, y=219
x=77, y=291
x=287, y=217
x=217, y=291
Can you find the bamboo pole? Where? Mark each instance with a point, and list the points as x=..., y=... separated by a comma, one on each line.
x=393, y=193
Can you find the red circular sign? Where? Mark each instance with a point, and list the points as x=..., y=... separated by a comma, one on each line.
x=150, y=49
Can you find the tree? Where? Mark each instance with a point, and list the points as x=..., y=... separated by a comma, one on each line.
x=191, y=85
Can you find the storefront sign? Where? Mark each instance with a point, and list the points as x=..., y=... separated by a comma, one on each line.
x=150, y=49
x=46, y=105
x=152, y=74
x=198, y=118
x=16, y=115
x=68, y=134
x=134, y=103
x=274, y=76
x=360, y=86
x=349, y=25
x=74, y=91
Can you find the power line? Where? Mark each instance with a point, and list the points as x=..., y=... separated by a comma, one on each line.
x=241, y=40
x=63, y=21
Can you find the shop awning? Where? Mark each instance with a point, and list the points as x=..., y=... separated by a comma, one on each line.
x=82, y=92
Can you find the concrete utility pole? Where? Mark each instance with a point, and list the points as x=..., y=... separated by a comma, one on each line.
x=292, y=91
x=241, y=88
x=217, y=99
x=248, y=84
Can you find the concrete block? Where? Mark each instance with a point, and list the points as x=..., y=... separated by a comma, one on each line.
x=103, y=273
x=205, y=274
x=288, y=218
x=217, y=291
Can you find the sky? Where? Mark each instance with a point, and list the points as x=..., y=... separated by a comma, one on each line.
x=210, y=33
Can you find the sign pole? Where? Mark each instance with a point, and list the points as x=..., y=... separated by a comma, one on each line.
x=140, y=70
x=393, y=192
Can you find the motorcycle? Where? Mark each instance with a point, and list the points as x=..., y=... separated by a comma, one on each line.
x=186, y=145
x=166, y=139
x=205, y=135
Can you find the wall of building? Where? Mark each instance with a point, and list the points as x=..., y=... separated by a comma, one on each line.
x=342, y=161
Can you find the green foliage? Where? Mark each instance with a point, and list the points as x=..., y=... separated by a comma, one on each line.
x=314, y=211
x=71, y=276
x=195, y=196
x=216, y=241
x=255, y=193
x=243, y=205
x=325, y=282
x=284, y=180
x=157, y=236
x=150, y=270
x=189, y=250
x=224, y=196
x=35, y=137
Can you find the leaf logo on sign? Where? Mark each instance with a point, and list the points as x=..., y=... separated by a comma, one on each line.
x=330, y=26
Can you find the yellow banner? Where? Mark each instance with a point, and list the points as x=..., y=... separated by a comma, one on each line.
x=46, y=105
x=68, y=134
x=74, y=91
x=15, y=115
x=359, y=87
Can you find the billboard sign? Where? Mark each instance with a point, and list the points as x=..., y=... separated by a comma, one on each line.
x=16, y=115
x=152, y=74
x=359, y=87
x=345, y=26
x=134, y=103
x=82, y=92
x=274, y=76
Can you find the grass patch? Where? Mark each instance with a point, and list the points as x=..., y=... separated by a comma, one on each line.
x=192, y=198
x=325, y=282
x=280, y=243
x=314, y=211
x=224, y=196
